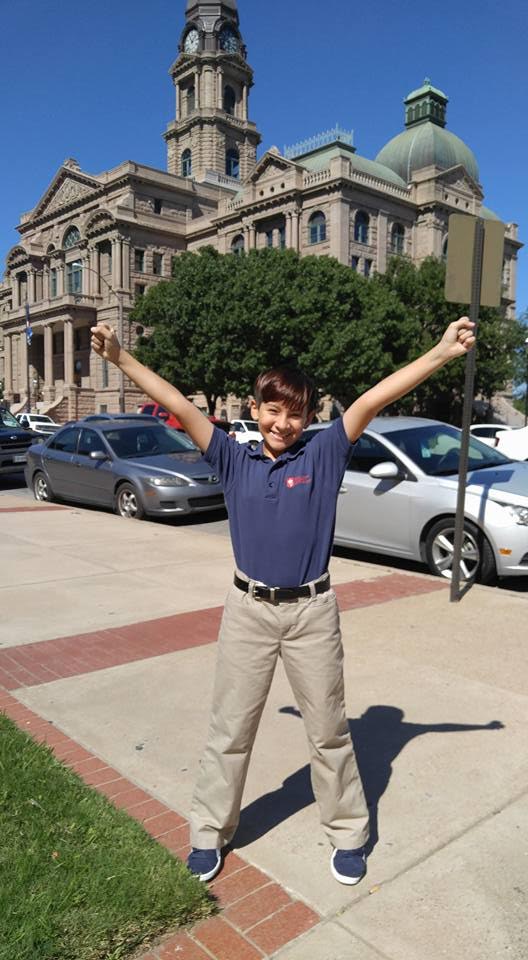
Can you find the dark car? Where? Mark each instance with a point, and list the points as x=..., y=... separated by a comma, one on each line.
x=136, y=467
x=15, y=442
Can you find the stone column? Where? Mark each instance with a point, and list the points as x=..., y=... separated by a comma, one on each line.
x=296, y=218
x=69, y=372
x=48, y=356
x=381, y=252
x=288, y=216
x=126, y=264
x=8, y=364
x=220, y=90
x=22, y=372
x=116, y=267
x=177, y=93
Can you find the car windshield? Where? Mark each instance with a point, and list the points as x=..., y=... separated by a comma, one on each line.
x=436, y=449
x=7, y=419
x=147, y=441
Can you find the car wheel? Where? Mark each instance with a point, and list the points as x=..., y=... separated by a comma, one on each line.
x=127, y=503
x=476, y=562
x=41, y=488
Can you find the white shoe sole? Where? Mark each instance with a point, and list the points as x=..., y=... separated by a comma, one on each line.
x=341, y=878
x=204, y=877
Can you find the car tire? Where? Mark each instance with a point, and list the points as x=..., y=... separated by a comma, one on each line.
x=127, y=503
x=477, y=561
x=41, y=488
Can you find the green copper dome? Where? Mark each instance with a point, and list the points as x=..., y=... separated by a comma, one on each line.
x=425, y=142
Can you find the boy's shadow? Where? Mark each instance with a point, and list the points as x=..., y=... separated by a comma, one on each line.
x=378, y=735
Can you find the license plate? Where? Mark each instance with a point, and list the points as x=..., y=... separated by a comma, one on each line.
x=19, y=458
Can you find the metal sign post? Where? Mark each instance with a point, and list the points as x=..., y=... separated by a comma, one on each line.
x=474, y=273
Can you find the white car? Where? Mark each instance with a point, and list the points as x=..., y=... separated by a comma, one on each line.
x=514, y=443
x=246, y=431
x=489, y=432
x=399, y=498
x=38, y=422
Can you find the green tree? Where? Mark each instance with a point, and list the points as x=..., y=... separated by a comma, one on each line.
x=421, y=291
x=223, y=319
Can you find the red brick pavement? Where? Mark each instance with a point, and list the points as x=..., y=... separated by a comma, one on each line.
x=31, y=664
x=258, y=915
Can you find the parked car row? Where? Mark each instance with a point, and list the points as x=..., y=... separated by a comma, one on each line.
x=398, y=496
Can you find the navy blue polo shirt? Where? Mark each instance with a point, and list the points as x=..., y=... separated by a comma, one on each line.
x=282, y=512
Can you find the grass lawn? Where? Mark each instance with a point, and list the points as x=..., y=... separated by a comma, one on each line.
x=79, y=879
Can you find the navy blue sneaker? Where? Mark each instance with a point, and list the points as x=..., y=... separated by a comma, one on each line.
x=348, y=866
x=205, y=864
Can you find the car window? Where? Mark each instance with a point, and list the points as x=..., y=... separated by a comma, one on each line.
x=66, y=440
x=7, y=419
x=367, y=453
x=144, y=441
x=90, y=441
x=436, y=449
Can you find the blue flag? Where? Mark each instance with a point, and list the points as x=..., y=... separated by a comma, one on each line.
x=29, y=329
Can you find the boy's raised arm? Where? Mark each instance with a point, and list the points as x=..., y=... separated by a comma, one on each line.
x=107, y=346
x=456, y=341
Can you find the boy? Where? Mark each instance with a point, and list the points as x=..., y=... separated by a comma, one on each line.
x=281, y=500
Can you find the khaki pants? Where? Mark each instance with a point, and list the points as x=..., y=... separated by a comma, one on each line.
x=306, y=634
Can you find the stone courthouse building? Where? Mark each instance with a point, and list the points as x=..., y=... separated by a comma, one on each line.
x=94, y=243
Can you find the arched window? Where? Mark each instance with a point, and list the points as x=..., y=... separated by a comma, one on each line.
x=71, y=238
x=361, y=227
x=237, y=246
x=317, y=227
x=229, y=100
x=186, y=163
x=191, y=99
x=398, y=239
x=233, y=164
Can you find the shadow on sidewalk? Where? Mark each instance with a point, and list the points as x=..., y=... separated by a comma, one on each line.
x=379, y=735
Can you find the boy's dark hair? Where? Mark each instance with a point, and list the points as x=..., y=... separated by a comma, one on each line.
x=289, y=385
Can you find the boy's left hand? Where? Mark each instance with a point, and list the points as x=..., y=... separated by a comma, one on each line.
x=458, y=339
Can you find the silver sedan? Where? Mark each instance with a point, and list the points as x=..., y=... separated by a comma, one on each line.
x=137, y=467
x=399, y=494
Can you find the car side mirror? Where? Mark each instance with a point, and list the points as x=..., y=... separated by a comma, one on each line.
x=98, y=455
x=385, y=471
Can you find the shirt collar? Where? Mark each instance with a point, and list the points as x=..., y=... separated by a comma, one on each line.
x=290, y=454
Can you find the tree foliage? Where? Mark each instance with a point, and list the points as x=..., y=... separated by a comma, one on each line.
x=221, y=320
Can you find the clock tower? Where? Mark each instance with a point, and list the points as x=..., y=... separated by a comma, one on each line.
x=211, y=137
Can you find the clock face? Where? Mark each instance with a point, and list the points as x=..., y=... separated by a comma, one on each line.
x=192, y=41
x=229, y=40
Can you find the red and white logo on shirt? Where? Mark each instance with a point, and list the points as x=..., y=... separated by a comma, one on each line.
x=292, y=482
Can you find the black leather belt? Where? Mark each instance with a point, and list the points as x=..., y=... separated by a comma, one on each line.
x=280, y=594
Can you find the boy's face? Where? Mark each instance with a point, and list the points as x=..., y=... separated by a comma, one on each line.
x=280, y=425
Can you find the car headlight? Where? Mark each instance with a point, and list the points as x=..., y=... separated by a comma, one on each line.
x=518, y=514
x=173, y=481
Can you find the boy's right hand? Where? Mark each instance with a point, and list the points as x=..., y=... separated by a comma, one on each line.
x=105, y=342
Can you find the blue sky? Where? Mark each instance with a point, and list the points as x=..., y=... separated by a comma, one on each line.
x=90, y=81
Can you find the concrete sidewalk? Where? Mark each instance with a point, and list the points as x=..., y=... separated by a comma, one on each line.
x=110, y=636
